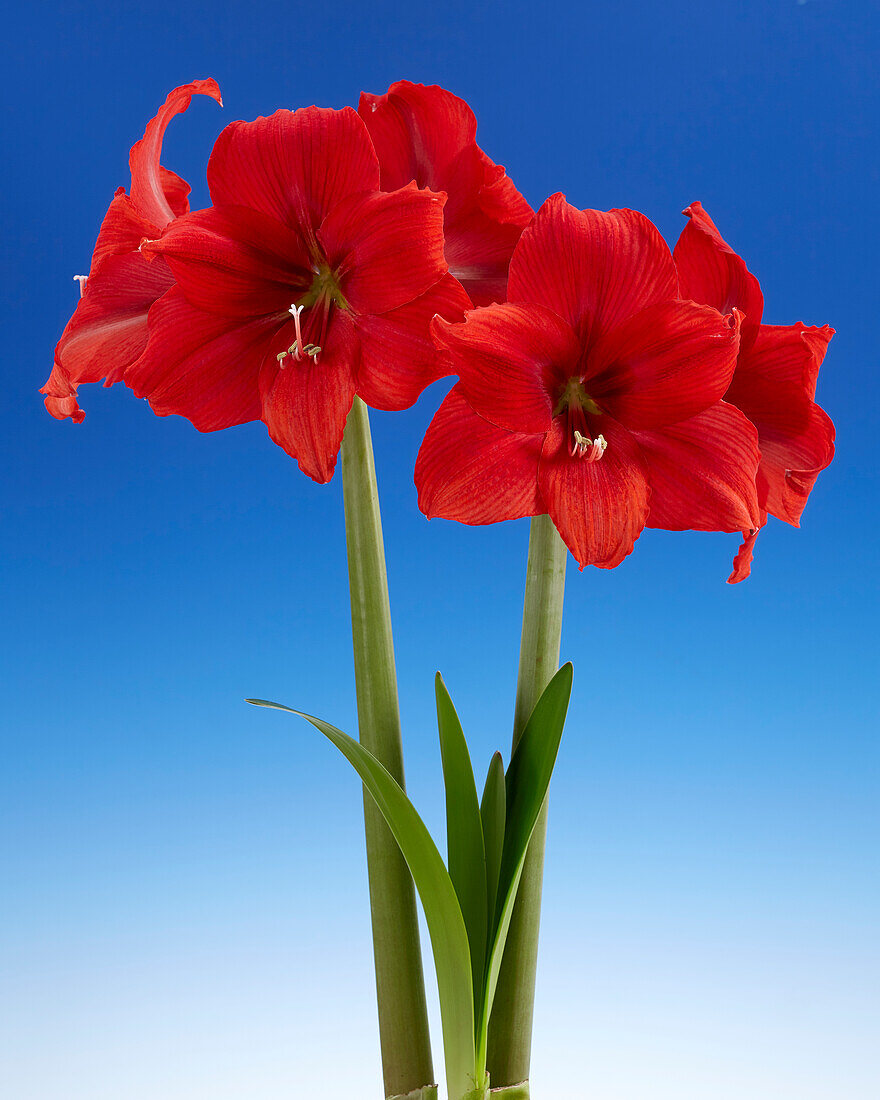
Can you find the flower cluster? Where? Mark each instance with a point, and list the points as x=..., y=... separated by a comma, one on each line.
x=602, y=379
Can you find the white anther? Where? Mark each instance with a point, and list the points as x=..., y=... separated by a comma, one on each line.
x=600, y=443
x=81, y=279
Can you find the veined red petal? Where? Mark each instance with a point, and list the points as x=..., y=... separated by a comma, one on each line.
x=599, y=508
x=418, y=131
x=710, y=272
x=428, y=135
x=305, y=404
x=148, y=182
x=201, y=365
x=512, y=361
x=665, y=364
x=470, y=471
x=386, y=247
x=594, y=269
x=702, y=472
x=398, y=356
x=774, y=385
x=294, y=166
x=789, y=354
x=235, y=261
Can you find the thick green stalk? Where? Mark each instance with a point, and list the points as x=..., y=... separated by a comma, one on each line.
x=510, y=1028
x=400, y=986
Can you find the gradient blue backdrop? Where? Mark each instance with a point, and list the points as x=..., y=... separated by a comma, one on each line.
x=185, y=910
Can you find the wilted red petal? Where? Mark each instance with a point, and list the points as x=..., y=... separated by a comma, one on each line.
x=599, y=508
x=594, y=269
x=235, y=261
x=398, y=356
x=512, y=362
x=702, y=472
x=305, y=404
x=709, y=271
x=294, y=166
x=148, y=182
x=202, y=366
x=665, y=364
x=773, y=386
x=387, y=247
x=470, y=471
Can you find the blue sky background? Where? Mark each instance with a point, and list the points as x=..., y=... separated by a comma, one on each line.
x=184, y=911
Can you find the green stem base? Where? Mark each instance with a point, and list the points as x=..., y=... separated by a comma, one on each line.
x=427, y=1092
x=511, y=1092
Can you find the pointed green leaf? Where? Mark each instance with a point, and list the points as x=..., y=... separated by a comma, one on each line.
x=528, y=778
x=464, y=833
x=493, y=811
x=442, y=911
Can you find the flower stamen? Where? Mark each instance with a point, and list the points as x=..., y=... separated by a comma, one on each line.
x=590, y=449
x=81, y=279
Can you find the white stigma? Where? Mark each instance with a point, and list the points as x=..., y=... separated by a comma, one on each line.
x=297, y=349
x=81, y=279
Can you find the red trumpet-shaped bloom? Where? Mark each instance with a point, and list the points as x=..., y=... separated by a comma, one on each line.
x=775, y=379
x=428, y=135
x=302, y=285
x=593, y=395
x=108, y=329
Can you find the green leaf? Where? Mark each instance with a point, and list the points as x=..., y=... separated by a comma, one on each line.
x=528, y=778
x=464, y=833
x=442, y=911
x=493, y=811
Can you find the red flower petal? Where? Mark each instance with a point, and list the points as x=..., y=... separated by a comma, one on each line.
x=387, y=248
x=398, y=356
x=592, y=268
x=108, y=330
x=202, y=366
x=294, y=166
x=599, y=508
x=427, y=134
x=121, y=232
x=305, y=405
x=512, y=362
x=710, y=272
x=153, y=190
x=419, y=132
x=235, y=261
x=702, y=472
x=469, y=470
x=665, y=364
x=742, y=563
x=773, y=386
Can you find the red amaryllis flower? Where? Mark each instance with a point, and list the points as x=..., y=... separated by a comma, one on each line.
x=594, y=395
x=775, y=379
x=108, y=329
x=303, y=285
x=426, y=134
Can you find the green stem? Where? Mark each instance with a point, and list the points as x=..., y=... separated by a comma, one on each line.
x=400, y=987
x=510, y=1028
